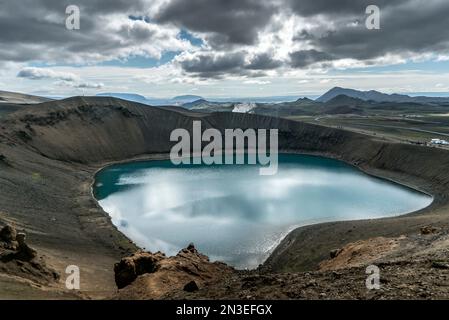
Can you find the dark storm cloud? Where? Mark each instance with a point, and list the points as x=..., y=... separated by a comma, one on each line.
x=212, y=65
x=337, y=7
x=263, y=61
x=304, y=58
x=303, y=35
x=405, y=29
x=90, y=6
x=216, y=65
x=227, y=21
x=27, y=20
x=35, y=29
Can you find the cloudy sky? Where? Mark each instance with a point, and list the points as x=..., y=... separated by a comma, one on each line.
x=223, y=48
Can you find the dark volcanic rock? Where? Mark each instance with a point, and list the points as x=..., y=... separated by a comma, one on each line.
x=24, y=136
x=191, y=286
x=428, y=230
x=440, y=265
x=334, y=253
x=3, y=159
x=19, y=259
x=24, y=251
x=8, y=233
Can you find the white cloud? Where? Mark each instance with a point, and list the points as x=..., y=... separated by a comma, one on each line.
x=259, y=82
x=89, y=85
x=64, y=78
x=41, y=73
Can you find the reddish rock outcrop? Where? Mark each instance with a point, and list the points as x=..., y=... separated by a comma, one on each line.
x=129, y=268
x=146, y=275
x=360, y=253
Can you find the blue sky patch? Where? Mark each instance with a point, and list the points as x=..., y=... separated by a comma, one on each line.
x=185, y=35
x=142, y=62
x=143, y=18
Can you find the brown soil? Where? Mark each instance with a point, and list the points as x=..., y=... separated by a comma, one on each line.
x=160, y=276
x=50, y=152
x=360, y=253
x=410, y=268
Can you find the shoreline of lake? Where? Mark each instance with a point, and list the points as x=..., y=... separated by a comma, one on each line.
x=267, y=260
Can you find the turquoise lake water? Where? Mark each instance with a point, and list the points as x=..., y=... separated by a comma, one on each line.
x=233, y=214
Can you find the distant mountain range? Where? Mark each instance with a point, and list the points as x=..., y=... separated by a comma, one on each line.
x=176, y=101
x=377, y=96
x=198, y=102
x=336, y=101
x=204, y=105
x=186, y=99
x=344, y=100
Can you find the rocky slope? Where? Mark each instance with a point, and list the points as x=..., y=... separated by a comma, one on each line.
x=19, y=259
x=154, y=276
x=50, y=152
x=14, y=97
x=414, y=267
